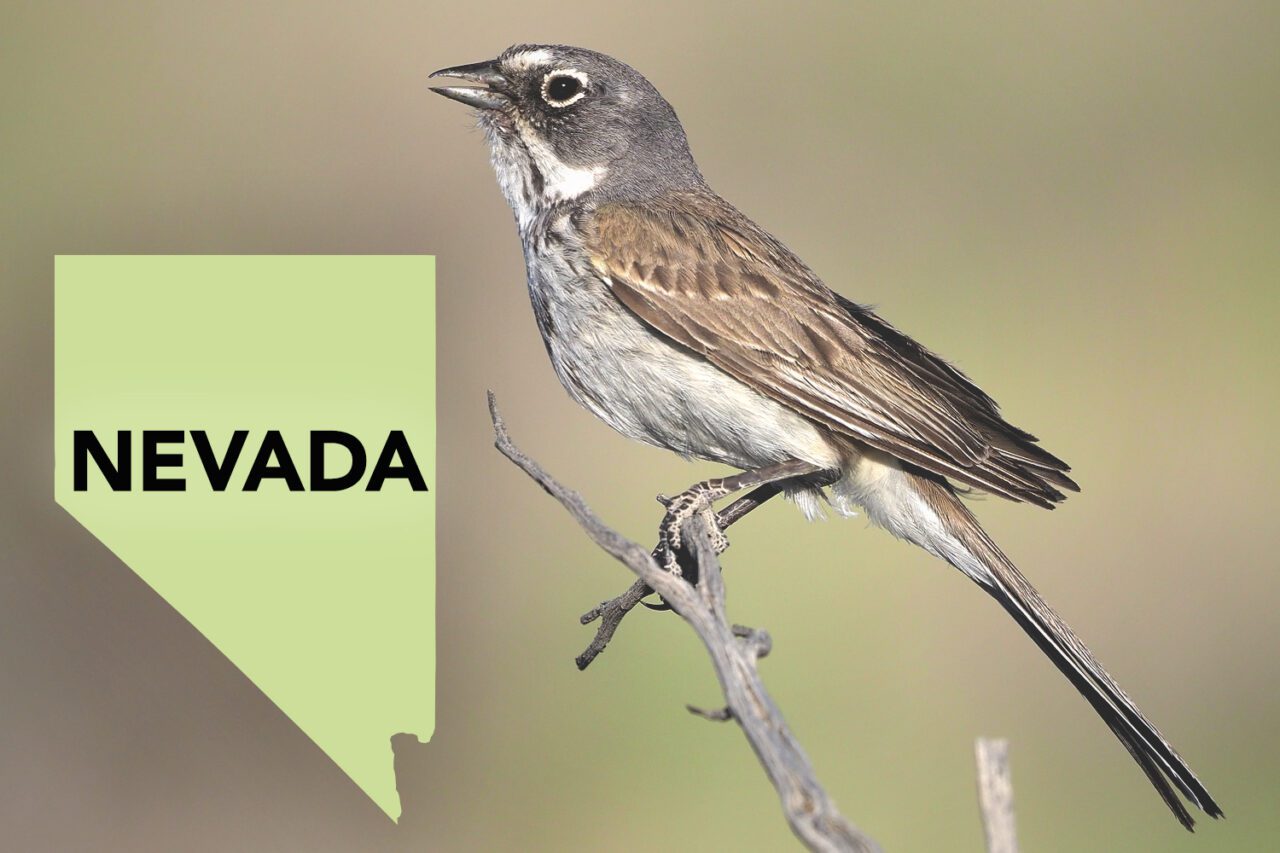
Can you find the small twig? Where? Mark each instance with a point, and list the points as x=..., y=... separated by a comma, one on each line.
x=995, y=795
x=610, y=614
x=734, y=654
x=718, y=715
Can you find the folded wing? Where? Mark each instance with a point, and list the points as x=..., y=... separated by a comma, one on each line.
x=705, y=276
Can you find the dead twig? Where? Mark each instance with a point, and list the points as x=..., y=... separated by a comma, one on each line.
x=995, y=795
x=611, y=612
x=734, y=652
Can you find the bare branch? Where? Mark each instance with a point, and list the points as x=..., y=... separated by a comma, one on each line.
x=995, y=794
x=611, y=612
x=734, y=654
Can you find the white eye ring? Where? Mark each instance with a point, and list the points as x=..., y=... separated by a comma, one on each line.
x=582, y=79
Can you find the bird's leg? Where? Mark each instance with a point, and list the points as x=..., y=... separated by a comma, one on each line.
x=611, y=612
x=698, y=500
x=726, y=517
x=735, y=511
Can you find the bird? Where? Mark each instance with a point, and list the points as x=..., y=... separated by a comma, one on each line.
x=681, y=323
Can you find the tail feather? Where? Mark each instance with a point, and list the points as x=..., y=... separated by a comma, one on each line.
x=1138, y=745
x=1002, y=580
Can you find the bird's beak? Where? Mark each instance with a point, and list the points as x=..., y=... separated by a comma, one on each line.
x=491, y=95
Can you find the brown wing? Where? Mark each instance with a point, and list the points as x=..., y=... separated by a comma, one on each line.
x=704, y=275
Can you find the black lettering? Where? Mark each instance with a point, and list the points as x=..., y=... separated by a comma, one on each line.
x=153, y=459
x=219, y=474
x=273, y=445
x=397, y=445
x=86, y=444
x=322, y=437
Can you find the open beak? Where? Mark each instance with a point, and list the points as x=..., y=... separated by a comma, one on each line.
x=490, y=95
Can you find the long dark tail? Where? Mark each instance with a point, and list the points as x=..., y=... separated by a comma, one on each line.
x=1154, y=755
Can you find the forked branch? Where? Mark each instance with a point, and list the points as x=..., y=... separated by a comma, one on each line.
x=734, y=650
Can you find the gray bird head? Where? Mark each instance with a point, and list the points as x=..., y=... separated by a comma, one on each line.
x=563, y=122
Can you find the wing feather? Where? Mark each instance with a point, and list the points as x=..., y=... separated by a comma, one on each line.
x=702, y=274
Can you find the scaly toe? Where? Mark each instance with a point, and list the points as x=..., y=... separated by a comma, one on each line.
x=719, y=541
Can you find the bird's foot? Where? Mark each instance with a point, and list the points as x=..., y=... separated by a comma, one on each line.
x=696, y=501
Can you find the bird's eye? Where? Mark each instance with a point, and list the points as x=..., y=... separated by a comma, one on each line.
x=562, y=88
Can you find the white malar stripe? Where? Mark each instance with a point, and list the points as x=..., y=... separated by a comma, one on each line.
x=567, y=183
x=561, y=182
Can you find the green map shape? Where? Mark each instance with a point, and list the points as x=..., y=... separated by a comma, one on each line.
x=325, y=600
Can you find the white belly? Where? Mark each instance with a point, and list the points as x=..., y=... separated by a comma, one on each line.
x=657, y=392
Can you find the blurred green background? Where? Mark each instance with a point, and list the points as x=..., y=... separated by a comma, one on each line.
x=1080, y=205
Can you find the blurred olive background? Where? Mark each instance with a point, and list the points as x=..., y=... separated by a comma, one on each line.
x=1080, y=205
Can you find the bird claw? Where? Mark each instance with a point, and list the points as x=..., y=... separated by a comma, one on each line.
x=684, y=506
